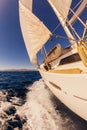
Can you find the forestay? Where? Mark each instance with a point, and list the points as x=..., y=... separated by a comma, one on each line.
x=35, y=33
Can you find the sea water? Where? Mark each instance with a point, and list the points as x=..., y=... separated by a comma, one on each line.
x=26, y=103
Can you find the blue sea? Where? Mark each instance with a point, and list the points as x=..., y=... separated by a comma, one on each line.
x=26, y=103
x=18, y=79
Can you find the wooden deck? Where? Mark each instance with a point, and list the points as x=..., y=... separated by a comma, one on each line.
x=67, y=71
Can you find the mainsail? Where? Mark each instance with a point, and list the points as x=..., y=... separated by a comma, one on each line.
x=61, y=9
x=35, y=33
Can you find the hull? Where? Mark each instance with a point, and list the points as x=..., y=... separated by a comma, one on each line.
x=69, y=85
x=71, y=89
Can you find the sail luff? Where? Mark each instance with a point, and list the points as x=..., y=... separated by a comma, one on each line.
x=62, y=18
x=35, y=33
x=27, y=3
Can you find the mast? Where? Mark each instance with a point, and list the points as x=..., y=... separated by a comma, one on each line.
x=59, y=8
x=65, y=27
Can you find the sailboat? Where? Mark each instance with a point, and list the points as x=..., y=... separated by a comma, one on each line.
x=64, y=70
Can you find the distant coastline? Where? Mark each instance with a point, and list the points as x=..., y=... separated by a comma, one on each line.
x=18, y=70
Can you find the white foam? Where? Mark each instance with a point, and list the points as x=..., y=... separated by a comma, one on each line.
x=39, y=109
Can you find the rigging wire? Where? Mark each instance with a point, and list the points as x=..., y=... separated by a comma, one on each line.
x=73, y=30
x=62, y=37
x=68, y=23
x=78, y=17
x=67, y=38
x=76, y=7
x=56, y=28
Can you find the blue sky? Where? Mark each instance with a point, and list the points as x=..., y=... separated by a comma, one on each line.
x=13, y=53
x=12, y=49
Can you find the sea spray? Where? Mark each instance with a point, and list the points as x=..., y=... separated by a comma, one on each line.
x=45, y=112
x=35, y=108
x=39, y=109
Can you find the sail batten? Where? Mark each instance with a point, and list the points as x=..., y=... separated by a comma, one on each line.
x=35, y=33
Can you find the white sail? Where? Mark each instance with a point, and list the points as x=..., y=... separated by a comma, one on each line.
x=34, y=32
x=61, y=9
x=27, y=3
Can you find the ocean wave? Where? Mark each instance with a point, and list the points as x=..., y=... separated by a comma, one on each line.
x=41, y=113
x=45, y=112
x=40, y=110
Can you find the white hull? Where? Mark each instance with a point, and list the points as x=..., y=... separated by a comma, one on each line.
x=69, y=80
x=71, y=89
